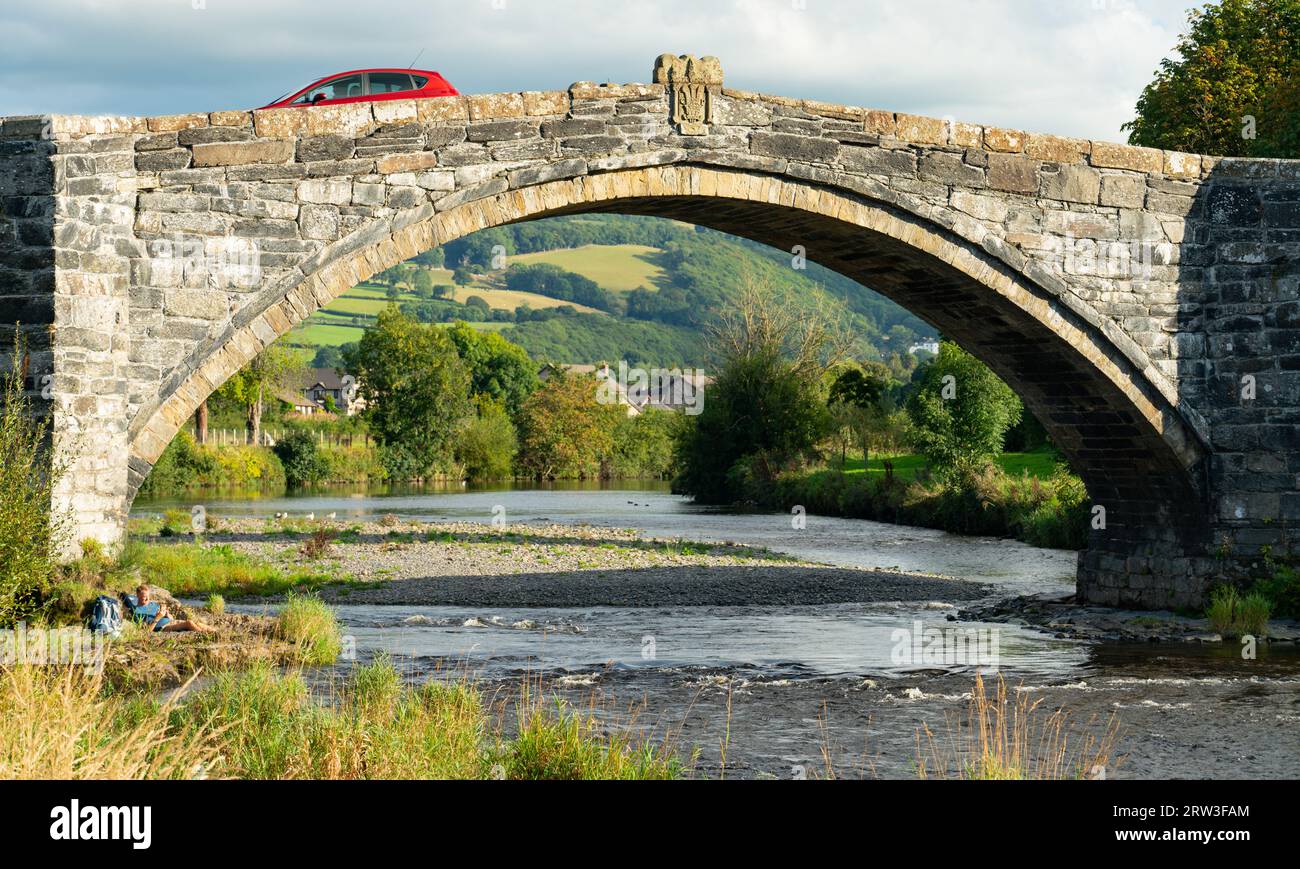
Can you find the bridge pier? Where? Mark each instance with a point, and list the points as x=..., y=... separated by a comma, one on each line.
x=1145, y=304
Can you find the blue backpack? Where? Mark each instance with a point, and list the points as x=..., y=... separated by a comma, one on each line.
x=106, y=616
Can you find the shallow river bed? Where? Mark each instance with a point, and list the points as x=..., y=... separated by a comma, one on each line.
x=792, y=690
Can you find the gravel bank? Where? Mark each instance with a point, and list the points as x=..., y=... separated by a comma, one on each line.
x=467, y=564
x=1066, y=619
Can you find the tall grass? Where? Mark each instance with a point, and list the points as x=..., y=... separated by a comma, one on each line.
x=377, y=728
x=30, y=534
x=556, y=742
x=1233, y=614
x=58, y=724
x=1012, y=739
x=308, y=623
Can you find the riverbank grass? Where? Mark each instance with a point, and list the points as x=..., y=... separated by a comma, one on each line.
x=1010, y=739
x=201, y=569
x=60, y=724
x=1041, y=463
x=1233, y=614
x=260, y=723
x=312, y=628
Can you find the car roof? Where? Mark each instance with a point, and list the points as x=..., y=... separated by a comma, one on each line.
x=428, y=72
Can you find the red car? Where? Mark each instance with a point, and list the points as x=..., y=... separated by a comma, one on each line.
x=368, y=85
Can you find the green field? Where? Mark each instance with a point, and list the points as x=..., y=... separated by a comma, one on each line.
x=318, y=335
x=620, y=267
x=1040, y=463
x=508, y=300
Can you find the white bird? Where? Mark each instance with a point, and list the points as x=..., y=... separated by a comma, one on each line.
x=311, y=517
x=332, y=516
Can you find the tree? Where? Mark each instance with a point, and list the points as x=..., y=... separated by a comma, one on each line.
x=767, y=406
x=486, y=447
x=303, y=463
x=564, y=432
x=858, y=402
x=434, y=258
x=1234, y=87
x=424, y=284
x=273, y=369
x=462, y=277
x=416, y=390
x=201, y=422
x=643, y=444
x=961, y=412
x=328, y=357
x=499, y=370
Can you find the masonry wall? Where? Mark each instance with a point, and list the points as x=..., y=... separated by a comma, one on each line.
x=26, y=242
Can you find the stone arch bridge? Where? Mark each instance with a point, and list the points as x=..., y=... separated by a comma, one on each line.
x=1143, y=303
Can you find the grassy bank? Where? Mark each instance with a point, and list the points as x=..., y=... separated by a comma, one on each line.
x=1027, y=496
x=184, y=569
x=1042, y=464
x=260, y=723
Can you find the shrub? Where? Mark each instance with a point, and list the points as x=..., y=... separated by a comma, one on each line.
x=961, y=412
x=186, y=465
x=216, y=604
x=176, y=523
x=1283, y=590
x=318, y=544
x=352, y=464
x=486, y=446
x=30, y=534
x=302, y=461
x=183, y=465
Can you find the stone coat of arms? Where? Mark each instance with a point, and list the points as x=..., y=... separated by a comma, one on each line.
x=691, y=83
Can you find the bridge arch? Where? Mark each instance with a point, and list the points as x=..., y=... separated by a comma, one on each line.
x=1139, y=455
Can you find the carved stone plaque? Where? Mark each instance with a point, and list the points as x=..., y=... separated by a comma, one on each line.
x=691, y=83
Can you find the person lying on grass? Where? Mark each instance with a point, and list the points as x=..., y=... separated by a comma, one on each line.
x=154, y=615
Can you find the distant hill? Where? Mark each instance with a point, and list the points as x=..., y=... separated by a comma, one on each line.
x=595, y=288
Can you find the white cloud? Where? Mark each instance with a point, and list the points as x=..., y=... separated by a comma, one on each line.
x=1065, y=66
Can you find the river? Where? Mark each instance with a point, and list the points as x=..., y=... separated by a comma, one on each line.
x=793, y=691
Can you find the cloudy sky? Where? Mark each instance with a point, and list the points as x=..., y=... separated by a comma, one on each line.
x=1072, y=67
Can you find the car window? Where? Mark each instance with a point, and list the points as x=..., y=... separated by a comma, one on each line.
x=336, y=89
x=389, y=82
x=420, y=81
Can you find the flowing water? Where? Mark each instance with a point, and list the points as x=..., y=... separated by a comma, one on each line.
x=810, y=690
